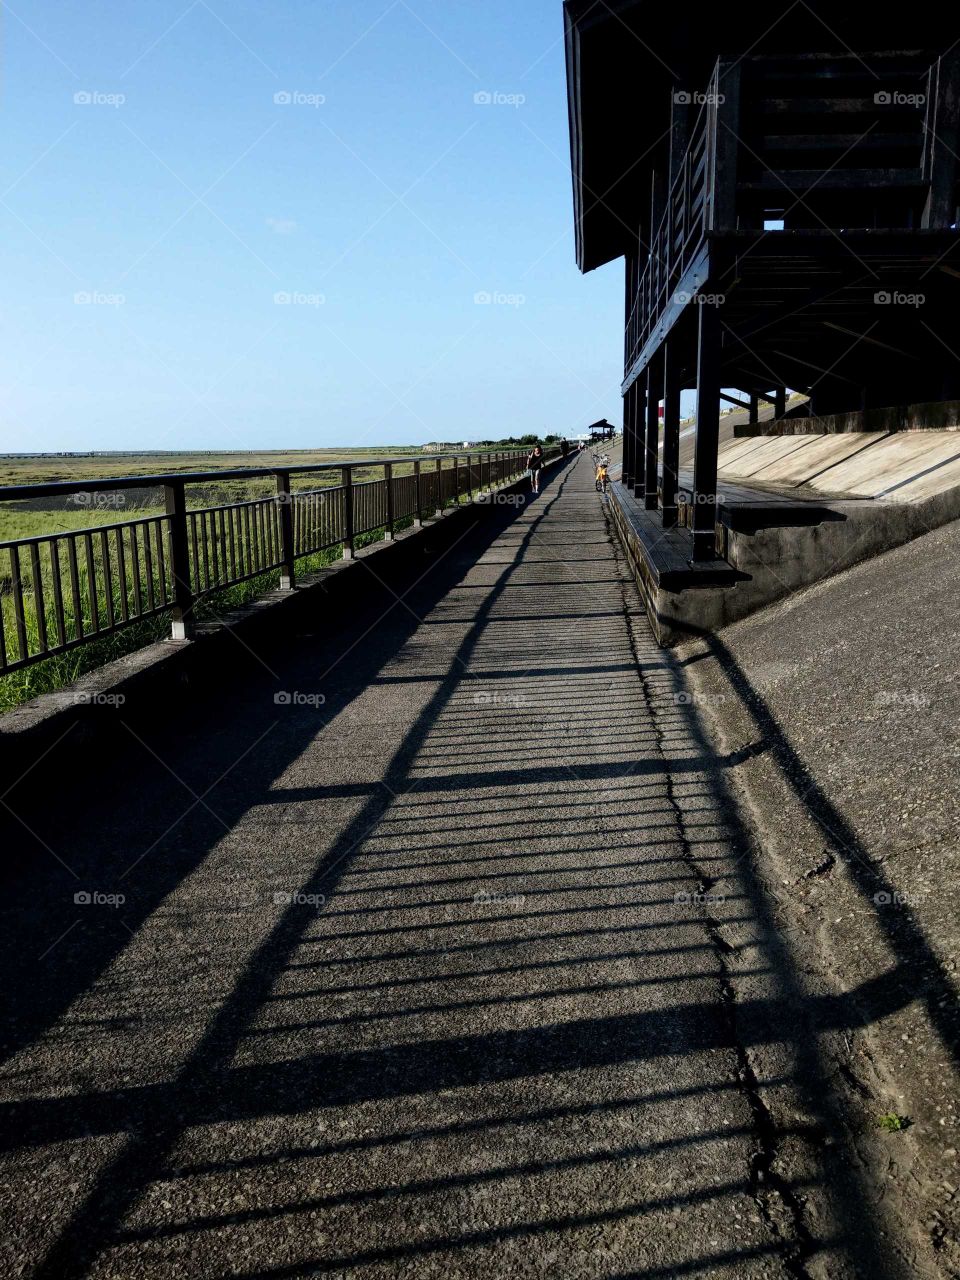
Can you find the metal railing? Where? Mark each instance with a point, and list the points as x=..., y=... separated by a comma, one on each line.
x=62, y=590
x=690, y=214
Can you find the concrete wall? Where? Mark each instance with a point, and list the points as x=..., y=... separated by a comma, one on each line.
x=936, y=415
x=776, y=561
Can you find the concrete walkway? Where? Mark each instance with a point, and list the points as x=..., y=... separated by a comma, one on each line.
x=429, y=980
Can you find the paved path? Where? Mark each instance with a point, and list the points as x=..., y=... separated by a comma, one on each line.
x=416, y=983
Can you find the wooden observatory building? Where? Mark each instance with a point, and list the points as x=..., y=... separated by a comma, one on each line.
x=783, y=192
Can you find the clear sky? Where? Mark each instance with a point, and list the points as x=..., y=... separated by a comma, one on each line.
x=173, y=170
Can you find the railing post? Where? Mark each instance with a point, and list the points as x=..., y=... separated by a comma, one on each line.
x=418, y=513
x=287, y=557
x=391, y=505
x=439, y=487
x=348, y=547
x=456, y=480
x=175, y=503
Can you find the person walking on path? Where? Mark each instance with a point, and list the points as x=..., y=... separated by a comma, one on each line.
x=534, y=464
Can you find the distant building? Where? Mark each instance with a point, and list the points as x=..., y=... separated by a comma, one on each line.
x=601, y=430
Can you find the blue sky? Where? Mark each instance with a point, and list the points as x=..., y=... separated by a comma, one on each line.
x=266, y=223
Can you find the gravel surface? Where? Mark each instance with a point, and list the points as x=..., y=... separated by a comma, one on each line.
x=451, y=962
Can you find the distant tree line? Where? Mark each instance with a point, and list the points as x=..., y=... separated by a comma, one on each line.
x=512, y=442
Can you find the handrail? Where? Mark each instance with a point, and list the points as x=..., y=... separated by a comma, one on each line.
x=63, y=589
x=666, y=263
x=52, y=488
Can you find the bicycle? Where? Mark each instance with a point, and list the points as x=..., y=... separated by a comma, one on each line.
x=602, y=462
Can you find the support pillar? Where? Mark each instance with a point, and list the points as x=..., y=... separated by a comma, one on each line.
x=652, y=451
x=639, y=431
x=671, y=430
x=708, y=433
x=625, y=472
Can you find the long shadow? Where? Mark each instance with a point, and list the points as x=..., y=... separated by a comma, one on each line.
x=215, y=1086
x=143, y=815
x=919, y=973
x=152, y=1131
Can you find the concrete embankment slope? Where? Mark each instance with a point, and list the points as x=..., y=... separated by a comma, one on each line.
x=842, y=705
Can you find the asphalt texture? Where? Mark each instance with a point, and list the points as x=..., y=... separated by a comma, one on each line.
x=423, y=964
x=842, y=703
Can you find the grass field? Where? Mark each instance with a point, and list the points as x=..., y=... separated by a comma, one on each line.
x=43, y=517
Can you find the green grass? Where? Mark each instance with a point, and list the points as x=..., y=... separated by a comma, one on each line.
x=48, y=517
x=891, y=1122
x=60, y=669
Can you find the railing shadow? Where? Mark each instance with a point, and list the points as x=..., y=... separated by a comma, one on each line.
x=616, y=1091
